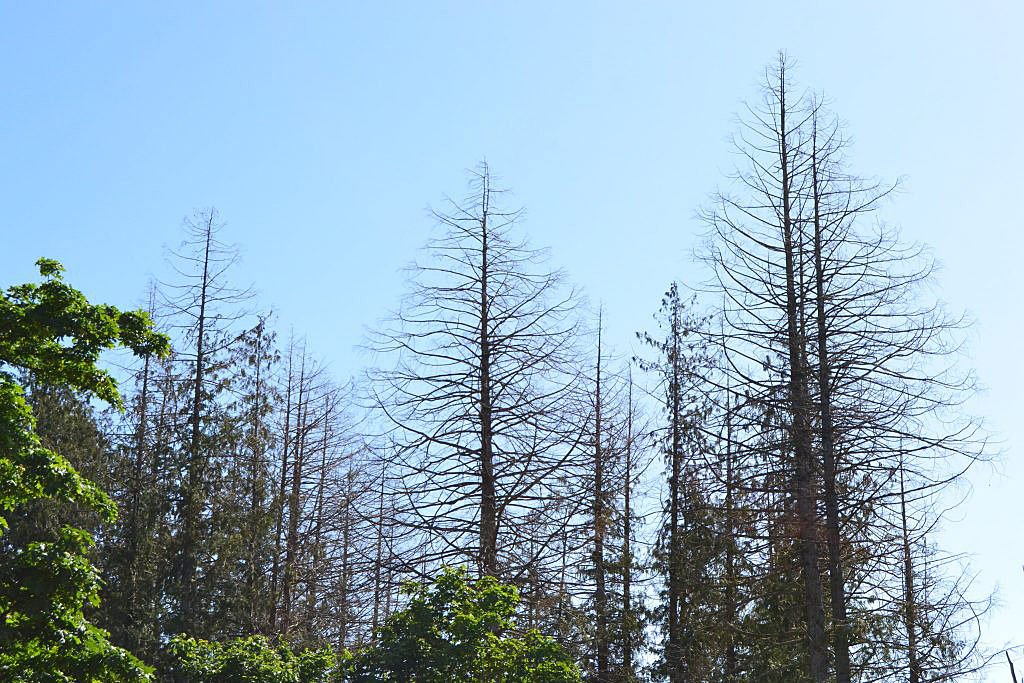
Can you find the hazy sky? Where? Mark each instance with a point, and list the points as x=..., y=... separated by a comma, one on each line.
x=322, y=132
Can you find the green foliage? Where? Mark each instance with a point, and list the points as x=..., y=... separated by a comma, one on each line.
x=453, y=629
x=52, y=332
x=248, y=660
x=69, y=425
x=459, y=630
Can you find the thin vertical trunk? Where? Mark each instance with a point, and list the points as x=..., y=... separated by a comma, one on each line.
x=292, y=540
x=275, y=573
x=159, y=449
x=534, y=591
x=909, y=599
x=673, y=653
x=378, y=562
x=627, y=533
x=837, y=590
x=313, y=588
x=389, y=582
x=562, y=599
x=133, y=551
x=255, y=493
x=196, y=467
x=600, y=597
x=731, y=608
x=345, y=582
x=800, y=428
x=389, y=562
x=488, y=488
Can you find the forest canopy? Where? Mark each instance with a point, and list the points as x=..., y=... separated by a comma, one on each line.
x=750, y=493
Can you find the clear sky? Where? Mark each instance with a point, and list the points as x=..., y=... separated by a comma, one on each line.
x=323, y=131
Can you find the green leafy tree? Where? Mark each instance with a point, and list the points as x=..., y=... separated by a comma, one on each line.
x=52, y=332
x=248, y=660
x=459, y=630
x=70, y=425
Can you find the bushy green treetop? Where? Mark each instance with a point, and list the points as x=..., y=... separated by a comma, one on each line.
x=249, y=660
x=456, y=629
x=452, y=629
x=51, y=331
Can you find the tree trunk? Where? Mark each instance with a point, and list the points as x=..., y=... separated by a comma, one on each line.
x=134, y=528
x=673, y=652
x=840, y=630
x=909, y=601
x=256, y=621
x=488, y=489
x=600, y=597
x=731, y=578
x=196, y=469
x=292, y=540
x=627, y=553
x=800, y=428
x=275, y=572
x=378, y=561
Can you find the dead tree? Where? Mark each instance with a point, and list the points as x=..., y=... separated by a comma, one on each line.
x=827, y=336
x=203, y=307
x=481, y=367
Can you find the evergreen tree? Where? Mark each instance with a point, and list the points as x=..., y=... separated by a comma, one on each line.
x=686, y=539
x=52, y=333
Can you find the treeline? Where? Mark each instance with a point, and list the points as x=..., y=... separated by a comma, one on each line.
x=752, y=498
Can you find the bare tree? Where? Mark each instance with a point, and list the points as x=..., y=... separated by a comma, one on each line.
x=827, y=337
x=323, y=511
x=602, y=665
x=605, y=582
x=203, y=306
x=482, y=350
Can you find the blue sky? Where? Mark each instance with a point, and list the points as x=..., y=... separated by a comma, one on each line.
x=322, y=132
